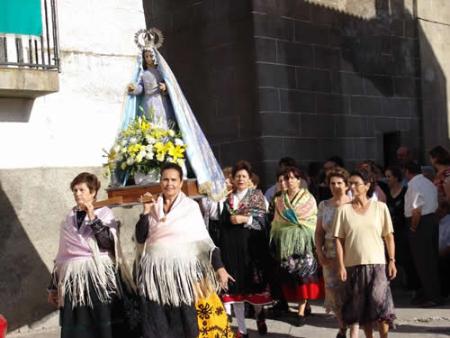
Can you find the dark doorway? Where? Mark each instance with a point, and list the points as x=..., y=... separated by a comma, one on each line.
x=391, y=142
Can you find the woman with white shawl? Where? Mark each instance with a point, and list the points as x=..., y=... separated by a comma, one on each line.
x=86, y=285
x=177, y=271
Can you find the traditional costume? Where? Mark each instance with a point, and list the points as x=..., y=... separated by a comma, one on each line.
x=292, y=237
x=176, y=271
x=88, y=275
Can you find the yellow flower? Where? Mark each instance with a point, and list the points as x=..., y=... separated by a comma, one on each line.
x=176, y=152
x=159, y=147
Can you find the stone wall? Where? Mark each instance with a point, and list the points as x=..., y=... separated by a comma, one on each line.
x=307, y=79
x=434, y=29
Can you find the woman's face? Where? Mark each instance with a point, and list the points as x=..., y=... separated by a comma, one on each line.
x=148, y=59
x=292, y=182
x=390, y=179
x=338, y=186
x=357, y=186
x=241, y=180
x=82, y=194
x=170, y=183
x=281, y=183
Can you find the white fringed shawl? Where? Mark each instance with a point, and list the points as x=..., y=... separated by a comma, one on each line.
x=175, y=267
x=81, y=264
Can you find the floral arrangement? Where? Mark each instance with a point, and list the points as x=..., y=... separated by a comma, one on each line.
x=143, y=147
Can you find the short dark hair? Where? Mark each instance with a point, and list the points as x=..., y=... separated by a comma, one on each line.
x=294, y=170
x=287, y=162
x=440, y=155
x=170, y=165
x=338, y=172
x=242, y=165
x=336, y=159
x=91, y=181
x=413, y=167
x=255, y=179
x=366, y=177
x=396, y=171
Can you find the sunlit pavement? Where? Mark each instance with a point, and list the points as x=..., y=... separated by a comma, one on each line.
x=411, y=322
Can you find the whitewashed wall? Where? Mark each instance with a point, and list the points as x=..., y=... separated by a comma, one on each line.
x=44, y=143
x=70, y=128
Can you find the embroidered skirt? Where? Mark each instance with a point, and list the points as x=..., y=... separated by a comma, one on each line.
x=367, y=295
x=212, y=318
x=301, y=278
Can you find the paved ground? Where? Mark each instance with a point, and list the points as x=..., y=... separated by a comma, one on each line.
x=412, y=322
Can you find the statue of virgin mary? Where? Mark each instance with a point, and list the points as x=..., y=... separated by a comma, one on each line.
x=156, y=94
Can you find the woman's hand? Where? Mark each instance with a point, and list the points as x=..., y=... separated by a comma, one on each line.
x=148, y=202
x=342, y=273
x=224, y=277
x=89, y=208
x=238, y=219
x=392, y=270
x=53, y=298
x=162, y=87
x=131, y=87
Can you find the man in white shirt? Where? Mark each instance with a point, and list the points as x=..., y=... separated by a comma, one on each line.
x=420, y=205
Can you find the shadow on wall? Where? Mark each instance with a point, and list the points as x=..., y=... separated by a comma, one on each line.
x=24, y=276
x=15, y=109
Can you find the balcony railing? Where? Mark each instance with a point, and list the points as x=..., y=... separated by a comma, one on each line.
x=34, y=52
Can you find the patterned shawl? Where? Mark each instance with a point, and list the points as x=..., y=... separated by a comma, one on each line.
x=252, y=204
x=294, y=224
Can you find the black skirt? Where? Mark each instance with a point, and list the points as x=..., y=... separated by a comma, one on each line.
x=102, y=320
x=245, y=254
x=164, y=321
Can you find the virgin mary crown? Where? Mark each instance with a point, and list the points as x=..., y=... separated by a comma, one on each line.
x=148, y=39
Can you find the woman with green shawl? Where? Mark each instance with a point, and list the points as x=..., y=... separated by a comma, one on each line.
x=292, y=238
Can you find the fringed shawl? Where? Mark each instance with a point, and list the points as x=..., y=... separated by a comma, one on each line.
x=252, y=204
x=176, y=267
x=81, y=265
x=294, y=224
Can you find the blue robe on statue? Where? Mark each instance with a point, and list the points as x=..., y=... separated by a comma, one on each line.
x=173, y=106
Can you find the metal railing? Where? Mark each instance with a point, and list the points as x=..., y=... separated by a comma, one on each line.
x=38, y=52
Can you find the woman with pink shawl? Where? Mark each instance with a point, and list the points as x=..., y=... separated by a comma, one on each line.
x=178, y=265
x=85, y=282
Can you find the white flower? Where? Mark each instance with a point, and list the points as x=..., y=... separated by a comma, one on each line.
x=171, y=133
x=150, y=140
x=130, y=161
x=116, y=148
x=139, y=158
x=133, y=140
x=178, y=142
x=149, y=155
x=123, y=150
x=170, y=159
x=149, y=148
x=124, y=142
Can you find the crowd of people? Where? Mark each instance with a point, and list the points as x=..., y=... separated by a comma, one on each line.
x=330, y=234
